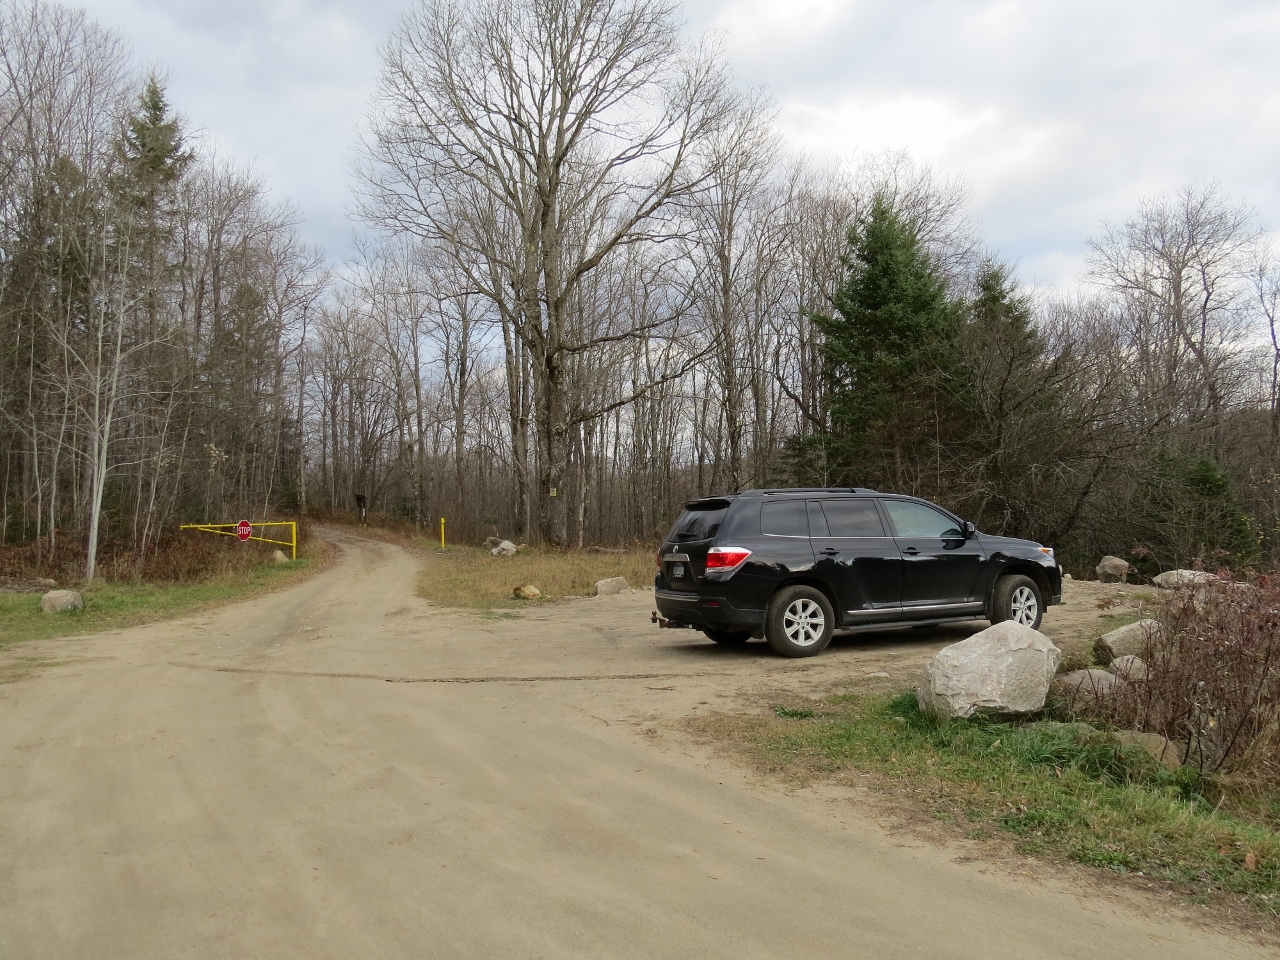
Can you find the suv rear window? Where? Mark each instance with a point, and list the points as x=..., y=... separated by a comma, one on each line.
x=698, y=523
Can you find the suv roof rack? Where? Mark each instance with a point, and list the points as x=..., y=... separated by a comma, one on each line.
x=818, y=490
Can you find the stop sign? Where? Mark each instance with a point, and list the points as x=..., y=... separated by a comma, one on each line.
x=244, y=529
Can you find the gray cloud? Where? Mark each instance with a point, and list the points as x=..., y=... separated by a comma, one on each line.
x=1058, y=114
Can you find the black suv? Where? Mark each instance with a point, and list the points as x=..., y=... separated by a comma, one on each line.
x=797, y=565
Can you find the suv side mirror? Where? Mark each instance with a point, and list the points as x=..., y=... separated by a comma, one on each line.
x=969, y=530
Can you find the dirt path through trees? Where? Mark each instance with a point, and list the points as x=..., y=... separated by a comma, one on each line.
x=246, y=782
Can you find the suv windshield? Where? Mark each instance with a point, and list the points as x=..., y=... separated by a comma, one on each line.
x=698, y=523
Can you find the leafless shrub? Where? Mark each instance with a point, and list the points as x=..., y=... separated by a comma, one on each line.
x=1214, y=683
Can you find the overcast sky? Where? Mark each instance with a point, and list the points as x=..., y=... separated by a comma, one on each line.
x=1059, y=115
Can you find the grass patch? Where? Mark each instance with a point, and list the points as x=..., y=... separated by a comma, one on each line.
x=791, y=713
x=472, y=577
x=1116, y=621
x=109, y=605
x=1061, y=791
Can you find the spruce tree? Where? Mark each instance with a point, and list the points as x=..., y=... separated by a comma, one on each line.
x=153, y=160
x=886, y=346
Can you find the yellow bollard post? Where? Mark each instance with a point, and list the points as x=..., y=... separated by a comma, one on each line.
x=442, y=533
x=293, y=536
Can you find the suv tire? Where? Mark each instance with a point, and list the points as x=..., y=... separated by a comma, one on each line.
x=799, y=622
x=730, y=638
x=1017, y=598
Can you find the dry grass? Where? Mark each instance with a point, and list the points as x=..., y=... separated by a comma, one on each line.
x=472, y=577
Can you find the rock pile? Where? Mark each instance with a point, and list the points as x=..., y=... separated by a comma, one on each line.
x=1082, y=689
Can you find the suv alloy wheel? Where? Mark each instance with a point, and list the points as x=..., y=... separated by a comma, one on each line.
x=1017, y=598
x=799, y=622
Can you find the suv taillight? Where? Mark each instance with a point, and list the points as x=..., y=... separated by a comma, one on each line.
x=726, y=559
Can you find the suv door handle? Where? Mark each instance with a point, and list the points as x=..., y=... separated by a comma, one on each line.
x=910, y=551
x=830, y=551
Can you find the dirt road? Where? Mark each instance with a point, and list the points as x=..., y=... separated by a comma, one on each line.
x=247, y=783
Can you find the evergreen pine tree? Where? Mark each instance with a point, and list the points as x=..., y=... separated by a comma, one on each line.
x=885, y=346
x=153, y=159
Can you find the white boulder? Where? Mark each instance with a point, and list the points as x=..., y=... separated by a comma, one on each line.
x=505, y=549
x=1006, y=668
x=1130, y=668
x=612, y=585
x=1177, y=579
x=1165, y=752
x=1131, y=640
x=1084, y=686
x=278, y=557
x=1112, y=570
x=61, y=601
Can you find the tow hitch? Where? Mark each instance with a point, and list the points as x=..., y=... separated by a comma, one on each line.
x=668, y=624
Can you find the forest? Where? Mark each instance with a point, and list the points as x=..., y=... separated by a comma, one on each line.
x=593, y=283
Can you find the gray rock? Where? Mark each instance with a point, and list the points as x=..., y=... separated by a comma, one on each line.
x=1130, y=668
x=1003, y=669
x=1112, y=570
x=1130, y=640
x=61, y=601
x=1080, y=687
x=278, y=557
x=1165, y=752
x=610, y=586
x=491, y=542
x=505, y=549
x=1177, y=579
x=526, y=591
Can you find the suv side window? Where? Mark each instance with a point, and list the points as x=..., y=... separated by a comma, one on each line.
x=853, y=518
x=785, y=518
x=915, y=520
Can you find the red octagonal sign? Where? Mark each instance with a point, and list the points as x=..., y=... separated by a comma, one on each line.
x=244, y=529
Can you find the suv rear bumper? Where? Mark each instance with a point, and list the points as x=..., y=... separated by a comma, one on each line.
x=699, y=611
